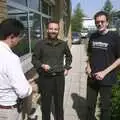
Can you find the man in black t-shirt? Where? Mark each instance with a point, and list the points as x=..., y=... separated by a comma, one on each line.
x=104, y=57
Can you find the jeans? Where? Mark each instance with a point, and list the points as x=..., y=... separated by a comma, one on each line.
x=105, y=101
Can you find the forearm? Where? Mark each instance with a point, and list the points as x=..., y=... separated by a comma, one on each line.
x=88, y=64
x=113, y=66
x=67, y=65
x=68, y=58
x=88, y=68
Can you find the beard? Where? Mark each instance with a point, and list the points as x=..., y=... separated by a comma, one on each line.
x=52, y=35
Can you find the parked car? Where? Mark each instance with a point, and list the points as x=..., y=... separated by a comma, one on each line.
x=76, y=39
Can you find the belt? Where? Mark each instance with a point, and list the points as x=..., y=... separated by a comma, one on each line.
x=56, y=73
x=8, y=107
x=52, y=74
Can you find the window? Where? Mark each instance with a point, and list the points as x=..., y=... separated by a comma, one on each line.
x=34, y=4
x=35, y=28
x=44, y=26
x=23, y=2
x=45, y=8
x=51, y=10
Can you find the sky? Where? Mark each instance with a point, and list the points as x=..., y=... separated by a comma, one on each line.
x=90, y=7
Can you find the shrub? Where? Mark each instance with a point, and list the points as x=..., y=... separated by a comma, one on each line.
x=116, y=100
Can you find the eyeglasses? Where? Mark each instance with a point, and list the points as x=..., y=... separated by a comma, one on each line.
x=102, y=22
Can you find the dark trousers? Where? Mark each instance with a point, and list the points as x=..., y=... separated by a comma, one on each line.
x=105, y=101
x=55, y=90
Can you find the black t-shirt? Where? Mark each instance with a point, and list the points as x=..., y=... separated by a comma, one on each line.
x=103, y=50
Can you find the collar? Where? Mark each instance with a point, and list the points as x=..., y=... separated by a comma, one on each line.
x=53, y=42
x=3, y=44
x=105, y=32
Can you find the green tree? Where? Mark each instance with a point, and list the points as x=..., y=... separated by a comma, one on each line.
x=77, y=19
x=108, y=9
x=108, y=6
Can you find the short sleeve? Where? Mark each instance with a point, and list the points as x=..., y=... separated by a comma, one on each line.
x=117, y=48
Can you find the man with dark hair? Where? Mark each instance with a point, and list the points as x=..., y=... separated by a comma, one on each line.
x=102, y=13
x=13, y=84
x=48, y=59
x=11, y=26
x=104, y=57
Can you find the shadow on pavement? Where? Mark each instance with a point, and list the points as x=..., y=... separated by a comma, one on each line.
x=79, y=105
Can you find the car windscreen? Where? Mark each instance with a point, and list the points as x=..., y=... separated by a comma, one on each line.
x=75, y=35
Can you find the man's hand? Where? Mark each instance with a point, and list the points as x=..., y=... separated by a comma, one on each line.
x=88, y=70
x=100, y=75
x=45, y=67
x=66, y=72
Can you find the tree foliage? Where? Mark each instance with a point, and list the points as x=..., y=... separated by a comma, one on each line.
x=116, y=102
x=115, y=109
x=116, y=15
x=77, y=19
x=116, y=19
x=108, y=9
x=108, y=6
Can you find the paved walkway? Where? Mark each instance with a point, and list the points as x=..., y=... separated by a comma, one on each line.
x=75, y=93
x=75, y=89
